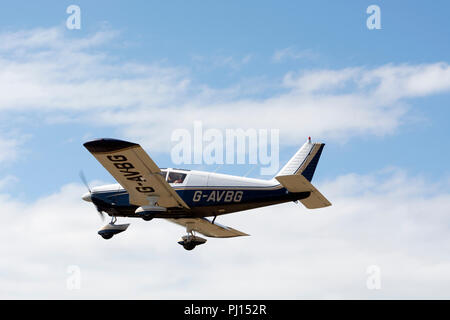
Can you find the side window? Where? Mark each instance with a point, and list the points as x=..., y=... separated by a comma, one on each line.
x=176, y=177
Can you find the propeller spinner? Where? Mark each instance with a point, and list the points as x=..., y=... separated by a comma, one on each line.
x=88, y=195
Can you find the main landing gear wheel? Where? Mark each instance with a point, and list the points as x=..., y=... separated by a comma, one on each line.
x=190, y=241
x=147, y=217
x=189, y=246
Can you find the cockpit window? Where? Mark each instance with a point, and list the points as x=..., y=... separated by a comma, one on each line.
x=176, y=177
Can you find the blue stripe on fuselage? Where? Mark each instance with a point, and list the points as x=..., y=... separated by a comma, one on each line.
x=205, y=196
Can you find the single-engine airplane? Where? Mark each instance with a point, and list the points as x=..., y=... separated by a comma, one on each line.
x=188, y=197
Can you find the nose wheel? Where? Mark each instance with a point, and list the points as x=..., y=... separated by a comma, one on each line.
x=111, y=229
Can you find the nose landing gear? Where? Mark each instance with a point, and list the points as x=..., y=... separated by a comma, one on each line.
x=111, y=229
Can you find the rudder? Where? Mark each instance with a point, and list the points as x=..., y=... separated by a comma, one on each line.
x=304, y=161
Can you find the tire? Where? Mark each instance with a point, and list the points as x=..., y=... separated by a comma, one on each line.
x=189, y=246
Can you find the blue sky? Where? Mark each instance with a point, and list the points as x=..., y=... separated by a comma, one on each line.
x=378, y=98
x=198, y=38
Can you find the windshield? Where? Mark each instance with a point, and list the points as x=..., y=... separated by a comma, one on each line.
x=176, y=177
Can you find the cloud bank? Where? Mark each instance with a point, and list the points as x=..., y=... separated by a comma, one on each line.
x=387, y=219
x=46, y=72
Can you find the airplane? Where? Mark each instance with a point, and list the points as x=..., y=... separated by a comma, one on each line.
x=189, y=197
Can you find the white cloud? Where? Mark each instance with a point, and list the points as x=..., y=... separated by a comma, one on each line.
x=7, y=180
x=390, y=83
x=10, y=147
x=46, y=70
x=221, y=61
x=294, y=54
x=62, y=78
x=389, y=219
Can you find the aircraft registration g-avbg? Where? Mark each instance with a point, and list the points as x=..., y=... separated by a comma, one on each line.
x=188, y=197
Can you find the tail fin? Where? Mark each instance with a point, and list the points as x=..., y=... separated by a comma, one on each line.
x=304, y=162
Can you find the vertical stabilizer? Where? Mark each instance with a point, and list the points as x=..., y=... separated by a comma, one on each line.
x=304, y=161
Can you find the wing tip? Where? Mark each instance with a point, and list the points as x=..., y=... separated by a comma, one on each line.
x=107, y=145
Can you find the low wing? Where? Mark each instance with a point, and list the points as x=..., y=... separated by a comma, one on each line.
x=207, y=228
x=131, y=166
x=298, y=183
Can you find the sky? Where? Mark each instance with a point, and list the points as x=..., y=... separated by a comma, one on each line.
x=378, y=98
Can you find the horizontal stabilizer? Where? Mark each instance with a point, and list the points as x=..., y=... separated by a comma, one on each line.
x=298, y=183
x=207, y=228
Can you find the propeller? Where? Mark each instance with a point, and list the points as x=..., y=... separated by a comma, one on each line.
x=83, y=179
